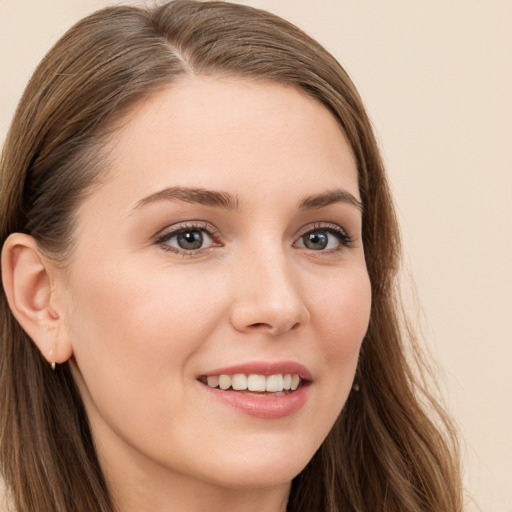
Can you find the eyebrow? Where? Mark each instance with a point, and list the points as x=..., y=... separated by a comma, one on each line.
x=219, y=199
x=192, y=195
x=331, y=197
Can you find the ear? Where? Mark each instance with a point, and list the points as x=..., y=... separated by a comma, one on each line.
x=27, y=281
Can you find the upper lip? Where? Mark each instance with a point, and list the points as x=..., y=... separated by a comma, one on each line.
x=263, y=368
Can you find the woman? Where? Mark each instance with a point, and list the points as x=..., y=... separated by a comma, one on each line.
x=198, y=266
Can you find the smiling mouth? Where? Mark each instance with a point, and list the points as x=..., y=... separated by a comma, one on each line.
x=277, y=384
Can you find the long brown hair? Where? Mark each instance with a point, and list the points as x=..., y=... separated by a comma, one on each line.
x=392, y=448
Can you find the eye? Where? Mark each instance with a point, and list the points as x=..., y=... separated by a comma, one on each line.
x=187, y=239
x=191, y=240
x=324, y=238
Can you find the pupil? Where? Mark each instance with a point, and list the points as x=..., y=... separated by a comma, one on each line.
x=316, y=241
x=190, y=240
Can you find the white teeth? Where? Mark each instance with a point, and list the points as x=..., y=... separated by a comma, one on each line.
x=224, y=381
x=255, y=382
x=274, y=383
x=239, y=382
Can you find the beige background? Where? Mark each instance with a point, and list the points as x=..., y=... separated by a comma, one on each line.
x=437, y=80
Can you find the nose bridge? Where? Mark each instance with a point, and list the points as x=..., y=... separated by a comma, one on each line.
x=269, y=296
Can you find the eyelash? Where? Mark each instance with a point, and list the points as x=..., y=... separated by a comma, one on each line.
x=345, y=241
x=343, y=237
x=176, y=230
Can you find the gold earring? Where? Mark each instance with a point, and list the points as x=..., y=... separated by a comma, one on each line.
x=52, y=364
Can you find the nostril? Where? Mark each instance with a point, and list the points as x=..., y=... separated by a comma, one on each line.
x=274, y=329
x=259, y=324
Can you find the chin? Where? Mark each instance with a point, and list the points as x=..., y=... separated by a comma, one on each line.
x=258, y=477
x=262, y=466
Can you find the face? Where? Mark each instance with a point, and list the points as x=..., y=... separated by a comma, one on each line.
x=217, y=296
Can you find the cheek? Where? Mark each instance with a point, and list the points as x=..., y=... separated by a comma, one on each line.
x=136, y=323
x=134, y=335
x=342, y=315
x=341, y=321
x=340, y=311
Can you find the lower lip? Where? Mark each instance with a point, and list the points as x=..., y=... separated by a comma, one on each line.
x=262, y=406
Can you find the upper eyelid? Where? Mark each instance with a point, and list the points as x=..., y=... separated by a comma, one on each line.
x=321, y=225
x=174, y=229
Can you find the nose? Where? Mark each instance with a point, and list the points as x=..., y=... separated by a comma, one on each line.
x=268, y=298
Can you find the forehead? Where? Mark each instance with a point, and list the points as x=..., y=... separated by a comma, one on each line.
x=218, y=132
